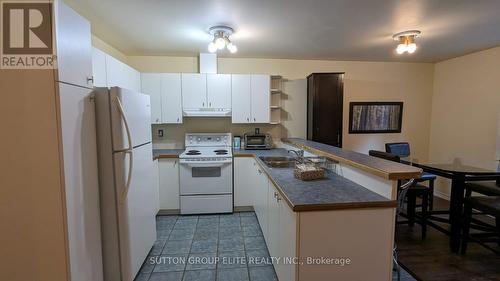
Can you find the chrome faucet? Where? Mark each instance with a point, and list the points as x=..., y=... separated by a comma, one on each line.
x=299, y=153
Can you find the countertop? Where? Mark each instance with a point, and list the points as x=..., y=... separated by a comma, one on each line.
x=331, y=193
x=376, y=166
x=166, y=153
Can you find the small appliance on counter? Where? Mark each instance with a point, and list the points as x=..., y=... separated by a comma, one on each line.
x=236, y=142
x=257, y=140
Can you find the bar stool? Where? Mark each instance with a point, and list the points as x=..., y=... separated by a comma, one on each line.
x=413, y=191
x=489, y=205
x=402, y=149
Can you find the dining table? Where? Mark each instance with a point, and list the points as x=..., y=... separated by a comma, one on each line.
x=459, y=174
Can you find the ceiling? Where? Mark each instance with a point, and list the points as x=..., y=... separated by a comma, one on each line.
x=297, y=29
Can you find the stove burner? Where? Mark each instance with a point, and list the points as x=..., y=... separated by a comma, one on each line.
x=220, y=152
x=193, y=152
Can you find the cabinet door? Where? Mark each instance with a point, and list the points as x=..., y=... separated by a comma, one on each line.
x=219, y=90
x=74, y=47
x=114, y=72
x=132, y=78
x=244, y=182
x=240, y=98
x=81, y=182
x=287, y=242
x=262, y=201
x=151, y=85
x=99, y=68
x=261, y=98
x=194, y=90
x=171, y=98
x=272, y=238
x=169, y=183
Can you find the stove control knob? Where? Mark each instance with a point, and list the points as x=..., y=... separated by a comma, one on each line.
x=199, y=139
x=218, y=139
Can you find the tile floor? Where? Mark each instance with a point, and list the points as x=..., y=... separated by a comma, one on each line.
x=197, y=240
x=186, y=248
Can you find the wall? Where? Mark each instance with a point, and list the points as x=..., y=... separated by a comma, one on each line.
x=32, y=221
x=364, y=81
x=465, y=111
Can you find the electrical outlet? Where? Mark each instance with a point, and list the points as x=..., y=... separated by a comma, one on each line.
x=160, y=133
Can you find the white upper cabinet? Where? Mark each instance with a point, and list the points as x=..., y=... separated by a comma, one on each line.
x=251, y=98
x=151, y=85
x=74, y=47
x=166, y=99
x=99, y=68
x=171, y=98
x=121, y=75
x=240, y=100
x=261, y=98
x=194, y=90
x=219, y=90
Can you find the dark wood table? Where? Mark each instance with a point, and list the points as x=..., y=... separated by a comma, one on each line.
x=459, y=174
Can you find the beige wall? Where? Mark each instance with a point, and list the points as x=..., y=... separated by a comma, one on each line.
x=32, y=221
x=364, y=81
x=465, y=111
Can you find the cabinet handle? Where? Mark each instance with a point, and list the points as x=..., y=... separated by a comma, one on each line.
x=260, y=172
x=157, y=120
x=254, y=120
x=209, y=104
x=278, y=199
x=203, y=104
x=275, y=194
x=90, y=79
x=177, y=119
x=175, y=163
x=248, y=119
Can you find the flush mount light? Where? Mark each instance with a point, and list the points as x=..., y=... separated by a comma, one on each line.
x=406, y=41
x=221, y=39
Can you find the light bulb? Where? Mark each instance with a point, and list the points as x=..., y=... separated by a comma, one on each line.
x=401, y=48
x=220, y=43
x=212, y=48
x=232, y=48
x=411, y=48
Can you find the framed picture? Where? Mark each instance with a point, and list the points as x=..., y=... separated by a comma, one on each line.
x=375, y=117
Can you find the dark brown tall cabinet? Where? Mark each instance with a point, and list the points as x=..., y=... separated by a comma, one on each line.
x=325, y=100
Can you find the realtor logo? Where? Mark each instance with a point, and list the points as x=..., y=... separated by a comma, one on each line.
x=27, y=41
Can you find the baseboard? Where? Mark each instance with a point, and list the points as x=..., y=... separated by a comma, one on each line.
x=441, y=195
x=168, y=212
x=171, y=212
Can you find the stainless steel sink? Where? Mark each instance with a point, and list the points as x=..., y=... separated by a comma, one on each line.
x=278, y=161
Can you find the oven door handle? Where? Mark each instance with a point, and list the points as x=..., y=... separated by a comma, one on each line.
x=205, y=164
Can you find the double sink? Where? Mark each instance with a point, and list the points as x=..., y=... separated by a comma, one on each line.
x=286, y=161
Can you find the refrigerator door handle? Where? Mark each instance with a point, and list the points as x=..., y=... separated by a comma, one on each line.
x=129, y=176
x=127, y=128
x=128, y=150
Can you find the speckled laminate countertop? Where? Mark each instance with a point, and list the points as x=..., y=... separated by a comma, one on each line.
x=166, y=153
x=334, y=192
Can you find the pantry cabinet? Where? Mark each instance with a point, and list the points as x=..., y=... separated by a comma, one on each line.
x=168, y=169
x=165, y=92
x=251, y=98
x=74, y=47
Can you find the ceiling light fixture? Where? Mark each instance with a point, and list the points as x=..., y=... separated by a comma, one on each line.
x=221, y=39
x=406, y=41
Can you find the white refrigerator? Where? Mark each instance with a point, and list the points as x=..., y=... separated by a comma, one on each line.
x=128, y=190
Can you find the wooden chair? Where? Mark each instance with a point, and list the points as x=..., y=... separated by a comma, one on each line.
x=402, y=149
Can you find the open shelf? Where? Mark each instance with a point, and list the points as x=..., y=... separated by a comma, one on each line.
x=275, y=107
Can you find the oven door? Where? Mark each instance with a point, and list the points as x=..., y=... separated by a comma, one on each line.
x=205, y=177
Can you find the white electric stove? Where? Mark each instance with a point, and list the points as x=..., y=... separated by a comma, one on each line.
x=206, y=174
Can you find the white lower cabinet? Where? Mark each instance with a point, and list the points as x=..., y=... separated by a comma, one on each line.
x=278, y=222
x=168, y=170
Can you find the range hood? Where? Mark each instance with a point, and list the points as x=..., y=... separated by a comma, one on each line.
x=207, y=112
